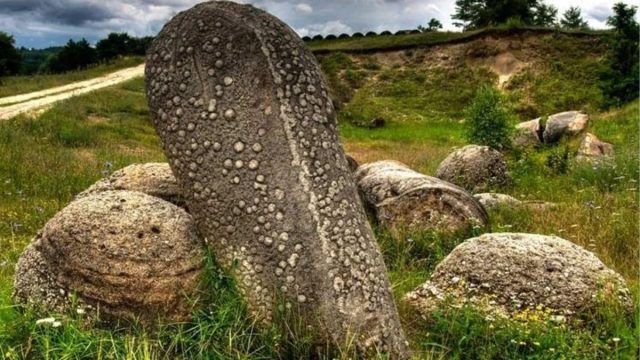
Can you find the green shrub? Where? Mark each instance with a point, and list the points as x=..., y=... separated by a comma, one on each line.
x=558, y=161
x=489, y=119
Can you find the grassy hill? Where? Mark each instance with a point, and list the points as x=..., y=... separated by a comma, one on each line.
x=421, y=93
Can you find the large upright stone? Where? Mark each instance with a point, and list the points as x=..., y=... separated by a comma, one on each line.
x=245, y=118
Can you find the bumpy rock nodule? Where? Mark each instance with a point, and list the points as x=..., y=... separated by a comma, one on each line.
x=509, y=273
x=475, y=168
x=155, y=179
x=245, y=119
x=404, y=198
x=125, y=254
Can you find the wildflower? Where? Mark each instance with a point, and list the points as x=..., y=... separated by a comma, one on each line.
x=46, y=321
x=616, y=339
x=56, y=324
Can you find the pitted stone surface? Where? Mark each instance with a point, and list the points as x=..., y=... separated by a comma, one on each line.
x=155, y=179
x=275, y=195
x=475, y=168
x=404, y=198
x=510, y=273
x=126, y=254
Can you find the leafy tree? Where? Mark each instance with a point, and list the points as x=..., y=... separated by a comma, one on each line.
x=545, y=15
x=10, y=59
x=572, y=19
x=620, y=80
x=73, y=56
x=114, y=45
x=433, y=25
x=489, y=119
x=474, y=14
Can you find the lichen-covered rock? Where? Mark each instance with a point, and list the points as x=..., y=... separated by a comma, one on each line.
x=594, y=150
x=405, y=199
x=245, y=118
x=126, y=254
x=512, y=273
x=495, y=200
x=475, y=168
x=528, y=133
x=155, y=179
x=565, y=124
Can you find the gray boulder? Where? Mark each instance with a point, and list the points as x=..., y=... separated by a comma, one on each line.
x=245, y=118
x=125, y=254
x=405, y=199
x=528, y=133
x=475, y=168
x=510, y=273
x=155, y=179
x=565, y=124
x=594, y=150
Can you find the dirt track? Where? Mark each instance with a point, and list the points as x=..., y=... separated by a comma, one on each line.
x=38, y=100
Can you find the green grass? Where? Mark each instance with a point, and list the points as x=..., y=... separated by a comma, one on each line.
x=15, y=85
x=46, y=160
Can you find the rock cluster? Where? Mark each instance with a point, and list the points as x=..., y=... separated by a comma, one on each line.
x=246, y=121
x=124, y=254
x=594, y=150
x=510, y=273
x=405, y=199
x=475, y=168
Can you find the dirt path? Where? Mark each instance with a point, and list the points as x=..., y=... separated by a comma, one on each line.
x=38, y=100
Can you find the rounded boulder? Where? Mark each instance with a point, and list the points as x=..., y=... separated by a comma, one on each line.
x=475, y=168
x=125, y=254
x=512, y=273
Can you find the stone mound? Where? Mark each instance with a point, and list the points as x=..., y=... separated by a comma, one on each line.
x=565, y=124
x=475, y=168
x=155, y=179
x=126, y=254
x=510, y=273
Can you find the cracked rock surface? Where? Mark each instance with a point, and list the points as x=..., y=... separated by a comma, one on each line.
x=511, y=272
x=244, y=115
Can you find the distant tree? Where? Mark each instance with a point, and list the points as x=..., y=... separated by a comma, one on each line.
x=474, y=14
x=572, y=19
x=386, y=33
x=620, y=80
x=114, y=45
x=401, y=32
x=10, y=59
x=433, y=25
x=317, y=37
x=73, y=56
x=344, y=36
x=330, y=37
x=306, y=38
x=357, y=35
x=489, y=120
x=545, y=15
x=371, y=33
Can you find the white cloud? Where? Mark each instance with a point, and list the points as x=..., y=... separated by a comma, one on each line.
x=335, y=27
x=304, y=8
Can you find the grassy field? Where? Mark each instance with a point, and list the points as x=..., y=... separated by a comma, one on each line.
x=83, y=139
x=15, y=85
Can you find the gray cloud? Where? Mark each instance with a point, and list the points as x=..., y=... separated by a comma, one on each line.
x=40, y=23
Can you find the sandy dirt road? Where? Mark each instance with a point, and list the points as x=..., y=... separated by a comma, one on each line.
x=38, y=100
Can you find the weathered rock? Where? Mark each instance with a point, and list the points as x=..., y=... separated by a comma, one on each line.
x=495, y=200
x=510, y=273
x=246, y=121
x=405, y=199
x=155, y=179
x=127, y=254
x=593, y=150
x=528, y=133
x=566, y=124
x=475, y=168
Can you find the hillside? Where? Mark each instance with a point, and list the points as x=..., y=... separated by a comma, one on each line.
x=421, y=92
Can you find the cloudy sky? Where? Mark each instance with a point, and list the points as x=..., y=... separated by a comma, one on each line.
x=42, y=23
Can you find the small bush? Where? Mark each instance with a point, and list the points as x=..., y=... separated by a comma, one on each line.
x=558, y=161
x=489, y=120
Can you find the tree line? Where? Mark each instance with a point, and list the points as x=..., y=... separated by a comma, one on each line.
x=74, y=55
